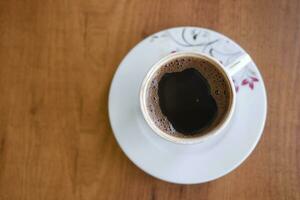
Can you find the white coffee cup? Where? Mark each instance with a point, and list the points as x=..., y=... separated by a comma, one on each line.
x=228, y=71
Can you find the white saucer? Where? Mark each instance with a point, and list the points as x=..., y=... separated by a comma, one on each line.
x=186, y=164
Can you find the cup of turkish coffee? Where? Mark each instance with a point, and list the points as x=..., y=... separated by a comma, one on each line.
x=187, y=97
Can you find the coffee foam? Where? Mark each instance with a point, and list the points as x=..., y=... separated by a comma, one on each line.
x=220, y=91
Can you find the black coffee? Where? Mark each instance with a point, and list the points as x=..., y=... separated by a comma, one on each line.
x=185, y=99
x=188, y=96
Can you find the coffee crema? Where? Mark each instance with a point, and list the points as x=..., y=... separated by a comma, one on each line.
x=188, y=97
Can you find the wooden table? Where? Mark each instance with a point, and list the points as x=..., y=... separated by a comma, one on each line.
x=57, y=59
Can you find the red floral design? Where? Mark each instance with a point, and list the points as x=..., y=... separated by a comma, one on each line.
x=250, y=81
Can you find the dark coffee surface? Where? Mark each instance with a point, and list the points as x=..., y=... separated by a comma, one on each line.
x=185, y=99
x=188, y=96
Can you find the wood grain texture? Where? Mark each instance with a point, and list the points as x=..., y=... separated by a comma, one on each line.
x=57, y=59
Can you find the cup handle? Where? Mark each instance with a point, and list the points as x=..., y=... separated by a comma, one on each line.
x=238, y=64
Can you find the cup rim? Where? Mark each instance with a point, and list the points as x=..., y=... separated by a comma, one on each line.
x=188, y=140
